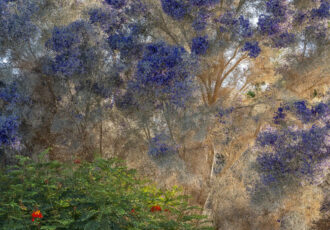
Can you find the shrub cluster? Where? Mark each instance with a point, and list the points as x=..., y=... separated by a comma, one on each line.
x=99, y=195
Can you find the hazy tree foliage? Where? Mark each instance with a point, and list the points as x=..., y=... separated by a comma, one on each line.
x=164, y=74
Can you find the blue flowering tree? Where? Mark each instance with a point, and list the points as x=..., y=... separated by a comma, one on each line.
x=226, y=36
x=291, y=155
x=12, y=104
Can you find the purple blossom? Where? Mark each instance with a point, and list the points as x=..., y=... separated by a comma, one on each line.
x=297, y=154
x=237, y=27
x=267, y=138
x=117, y=4
x=321, y=109
x=204, y=2
x=74, y=56
x=303, y=113
x=276, y=7
x=245, y=29
x=280, y=115
x=268, y=25
x=284, y=39
x=10, y=94
x=200, y=21
x=228, y=19
x=300, y=17
x=199, y=45
x=64, y=38
x=109, y=21
x=126, y=44
x=8, y=130
x=253, y=48
x=322, y=11
x=69, y=63
x=161, y=146
x=14, y=26
x=162, y=75
x=177, y=9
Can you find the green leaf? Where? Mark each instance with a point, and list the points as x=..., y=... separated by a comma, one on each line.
x=92, y=225
x=48, y=227
x=89, y=215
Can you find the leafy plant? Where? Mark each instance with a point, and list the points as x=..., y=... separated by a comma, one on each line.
x=103, y=194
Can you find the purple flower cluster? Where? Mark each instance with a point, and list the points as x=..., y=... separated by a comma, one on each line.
x=16, y=25
x=8, y=130
x=253, y=48
x=127, y=44
x=307, y=115
x=294, y=154
x=199, y=45
x=228, y=19
x=300, y=17
x=67, y=37
x=283, y=40
x=160, y=146
x=267, y=138
x=280, y=115
x=276, y=8
x=177, y=9
x=200, y=21
x=245, y=29
x=109, y=21
x=117, y=4
x=162, y=74
x=322, y=11
x=238, y=27
x=204, y=2
x=268, y=25
x=73, y=54
x=9, y=94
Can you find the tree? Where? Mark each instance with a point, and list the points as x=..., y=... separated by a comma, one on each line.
x=291, y=154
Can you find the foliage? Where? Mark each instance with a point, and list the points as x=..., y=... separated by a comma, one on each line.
x=98, y=195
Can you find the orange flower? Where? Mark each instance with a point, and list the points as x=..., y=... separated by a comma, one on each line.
x=36, y=214
x=155, y=208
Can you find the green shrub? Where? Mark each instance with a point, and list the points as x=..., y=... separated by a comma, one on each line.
x=103, y=195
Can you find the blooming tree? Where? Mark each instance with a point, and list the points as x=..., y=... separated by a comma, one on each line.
x=291, y=155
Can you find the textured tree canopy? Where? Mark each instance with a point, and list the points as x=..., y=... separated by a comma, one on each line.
x=157, y=77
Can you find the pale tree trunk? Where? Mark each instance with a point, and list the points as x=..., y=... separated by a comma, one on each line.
x=207, y=209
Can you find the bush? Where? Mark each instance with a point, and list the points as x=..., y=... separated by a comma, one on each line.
x=103, y=194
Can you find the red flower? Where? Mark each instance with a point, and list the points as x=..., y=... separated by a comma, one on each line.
x=133, y=210
x=77, y=161
x=36, y=214
x=166, y=210
x=155, y=208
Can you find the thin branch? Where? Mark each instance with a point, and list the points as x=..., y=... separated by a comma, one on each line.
x=220, y=80
x=234, y=55
x=165, y=29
